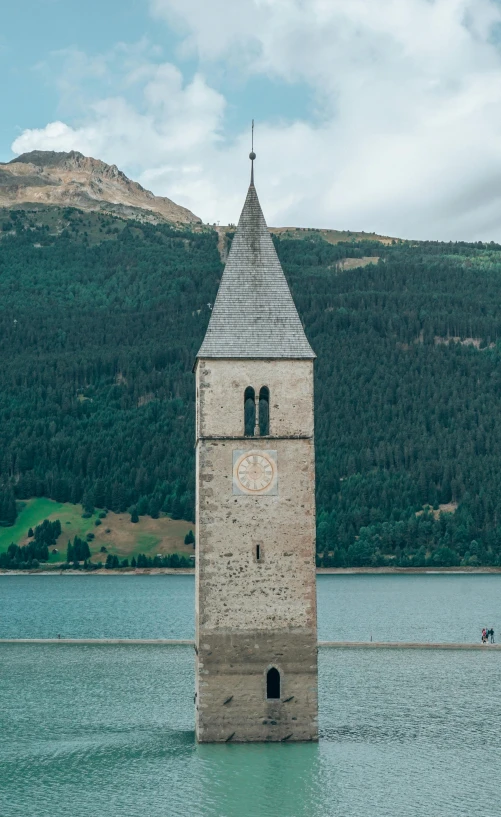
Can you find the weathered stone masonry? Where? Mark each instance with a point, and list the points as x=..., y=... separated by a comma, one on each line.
x=255, y=573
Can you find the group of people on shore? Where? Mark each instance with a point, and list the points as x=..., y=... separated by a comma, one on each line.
x=486, y=635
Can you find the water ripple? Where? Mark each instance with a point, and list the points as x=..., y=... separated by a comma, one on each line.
x=108, y=731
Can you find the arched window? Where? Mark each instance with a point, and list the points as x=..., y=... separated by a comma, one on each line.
x=273, y=683
x=249, y=412
x=264, y=411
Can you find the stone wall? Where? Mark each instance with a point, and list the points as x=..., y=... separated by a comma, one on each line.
x=236, y=591
x=254, y=614
x=231, y=695
x=220, y=395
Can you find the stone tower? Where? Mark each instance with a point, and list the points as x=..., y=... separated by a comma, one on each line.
x=256, y=628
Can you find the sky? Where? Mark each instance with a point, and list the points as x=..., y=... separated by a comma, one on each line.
x=375, y=115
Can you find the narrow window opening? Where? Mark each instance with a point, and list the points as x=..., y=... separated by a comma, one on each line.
x=249, y=411
x=258, y=552
x=273, y=684
x=264, y=411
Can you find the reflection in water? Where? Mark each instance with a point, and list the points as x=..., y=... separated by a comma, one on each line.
x=108, y=731
x=259, y=779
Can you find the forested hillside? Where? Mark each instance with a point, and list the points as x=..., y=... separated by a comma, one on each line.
x=100, y=321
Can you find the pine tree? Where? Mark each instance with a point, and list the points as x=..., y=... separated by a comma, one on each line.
x=177, y=509
x=154, y=507
x=88, y=502
x=99, y=493
x=8, y=510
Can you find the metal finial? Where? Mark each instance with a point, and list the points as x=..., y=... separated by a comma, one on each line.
x=252, y=155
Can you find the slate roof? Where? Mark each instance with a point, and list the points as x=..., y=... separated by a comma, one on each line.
x=254, y=315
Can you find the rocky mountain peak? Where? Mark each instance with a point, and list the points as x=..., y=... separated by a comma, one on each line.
x=49, y=158
x=71, y=179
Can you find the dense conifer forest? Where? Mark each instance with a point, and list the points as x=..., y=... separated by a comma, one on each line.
x=100, y=322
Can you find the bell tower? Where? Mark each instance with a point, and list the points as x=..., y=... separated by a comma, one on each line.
x=256, y=627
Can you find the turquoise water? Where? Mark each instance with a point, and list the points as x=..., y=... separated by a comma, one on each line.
x=91, y=731
x=107, y=731
x=352, y=608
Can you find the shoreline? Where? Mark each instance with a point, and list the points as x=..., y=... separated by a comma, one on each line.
x=334, y=571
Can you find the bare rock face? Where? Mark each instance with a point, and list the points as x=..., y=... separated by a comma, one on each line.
x=74, y=180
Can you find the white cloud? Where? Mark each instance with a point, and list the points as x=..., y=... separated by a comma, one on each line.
x=55, y=136
x=407, y=135
x=174, y=121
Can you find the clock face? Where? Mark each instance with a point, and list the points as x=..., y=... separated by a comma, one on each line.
x=255, y=472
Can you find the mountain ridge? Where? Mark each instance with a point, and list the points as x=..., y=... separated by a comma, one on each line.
x=70, y=179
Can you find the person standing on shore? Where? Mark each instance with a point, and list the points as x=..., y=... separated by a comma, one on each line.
x=492, y=635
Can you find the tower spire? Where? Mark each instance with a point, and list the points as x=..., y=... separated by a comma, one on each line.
x=254, y=315
x=252, y=155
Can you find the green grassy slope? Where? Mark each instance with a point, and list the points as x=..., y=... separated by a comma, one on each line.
x=116, y=532
x=31, y=514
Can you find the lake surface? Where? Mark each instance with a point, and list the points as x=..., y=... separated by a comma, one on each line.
x=350, y=608
x=107, y=731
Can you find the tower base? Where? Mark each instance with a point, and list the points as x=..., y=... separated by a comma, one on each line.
x=233, y=685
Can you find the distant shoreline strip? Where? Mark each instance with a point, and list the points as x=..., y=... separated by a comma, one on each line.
x=321, y=571
x=176, y=642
